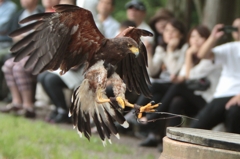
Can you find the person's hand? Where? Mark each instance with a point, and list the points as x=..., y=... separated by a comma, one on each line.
x=233, y=101
x=216, y=33
x=192, y=50
x=176, y=79
x=172, y=45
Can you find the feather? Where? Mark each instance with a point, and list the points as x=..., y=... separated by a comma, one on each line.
x=98, y=125
x=25, y=29
x=24, y=52
x=36, y=17
x=26, y=41
x=65, y=7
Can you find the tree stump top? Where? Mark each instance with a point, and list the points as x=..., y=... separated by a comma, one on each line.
x=209, y=138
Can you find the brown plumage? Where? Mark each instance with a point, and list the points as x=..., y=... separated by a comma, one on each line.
x=68, y=38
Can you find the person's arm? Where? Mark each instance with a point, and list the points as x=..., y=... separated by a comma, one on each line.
x=189, y=60
x=155, y=62
x=5, y=18
x=205, y=51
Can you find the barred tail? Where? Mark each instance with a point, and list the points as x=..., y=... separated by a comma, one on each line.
x=84, y=107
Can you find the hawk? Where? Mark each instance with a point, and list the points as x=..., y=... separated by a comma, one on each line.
x=69, y=37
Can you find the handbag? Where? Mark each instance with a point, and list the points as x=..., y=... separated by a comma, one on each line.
x=201, y=84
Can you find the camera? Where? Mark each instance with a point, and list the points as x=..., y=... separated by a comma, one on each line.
x=228, y=29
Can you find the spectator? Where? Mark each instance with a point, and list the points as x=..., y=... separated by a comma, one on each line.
x=167, y=60
x=235, y=34
x=225, y=105
x=7, y=9
x=158, y=23
x=181, y=99
x=136, y=11
x=21, y=82
x=104, y=21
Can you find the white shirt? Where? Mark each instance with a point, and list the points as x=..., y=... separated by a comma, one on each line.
x=205, y=68
x=173, y=62
x=71, y=78
x=109, y=27
x=89, y=5
x=228, y=55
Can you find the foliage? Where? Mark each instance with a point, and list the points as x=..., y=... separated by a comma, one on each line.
x=25, y=139
x=152, y=6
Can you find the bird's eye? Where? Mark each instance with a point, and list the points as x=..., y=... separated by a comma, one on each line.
x=129, y=45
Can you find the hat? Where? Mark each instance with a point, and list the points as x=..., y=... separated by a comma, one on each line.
x=161, y=14
x=136, y=4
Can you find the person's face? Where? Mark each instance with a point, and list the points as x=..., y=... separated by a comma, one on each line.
x=160, y=25
x=135, y=15
x=196, y=39
x=49, y=3
x=28, y=3
x=170, y=33
x=105, y=7
x=235, y=34
x=66, y=2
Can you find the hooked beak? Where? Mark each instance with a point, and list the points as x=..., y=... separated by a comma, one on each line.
x=134, y=50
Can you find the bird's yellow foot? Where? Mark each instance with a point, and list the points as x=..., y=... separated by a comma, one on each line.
x=121, y=102
x=150, y=107
x=100, y=99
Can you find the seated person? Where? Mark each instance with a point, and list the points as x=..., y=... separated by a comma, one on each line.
x=7, y=10
x=225, y=106
x=54, y=84
x=180, y=98
x=21, y=82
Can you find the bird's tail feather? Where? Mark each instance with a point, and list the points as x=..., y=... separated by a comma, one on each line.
x=84, y=106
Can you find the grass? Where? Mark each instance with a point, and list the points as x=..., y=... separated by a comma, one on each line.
x=30, y=139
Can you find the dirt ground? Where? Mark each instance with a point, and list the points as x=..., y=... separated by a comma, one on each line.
x=129, y=141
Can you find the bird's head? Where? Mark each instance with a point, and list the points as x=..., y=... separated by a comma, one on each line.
x=127, y=45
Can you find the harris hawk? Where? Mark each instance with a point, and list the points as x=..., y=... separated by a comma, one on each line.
x=68, y=38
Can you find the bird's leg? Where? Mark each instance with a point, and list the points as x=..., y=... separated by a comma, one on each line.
x=119, y=89
x=99, y=97
x=150, y=107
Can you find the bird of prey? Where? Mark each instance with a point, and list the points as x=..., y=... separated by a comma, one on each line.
x=69, y=37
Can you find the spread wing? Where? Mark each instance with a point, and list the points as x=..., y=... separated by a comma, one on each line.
x=133, y=70
x=63, y=39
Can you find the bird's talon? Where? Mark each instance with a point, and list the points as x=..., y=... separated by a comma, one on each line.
x=152, y=102
x=120, y=102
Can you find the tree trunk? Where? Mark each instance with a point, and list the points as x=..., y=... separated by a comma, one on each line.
x=218, y=11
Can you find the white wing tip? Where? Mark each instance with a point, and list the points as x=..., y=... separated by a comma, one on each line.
x=80, y=134
x=117, y=136
x=109, y=140
x=125, y=124
x=69, y=114
x=104, y=143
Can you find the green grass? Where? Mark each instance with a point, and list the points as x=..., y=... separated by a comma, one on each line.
x=26, y=139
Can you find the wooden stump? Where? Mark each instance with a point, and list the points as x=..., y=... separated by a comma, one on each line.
x=188, y=143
